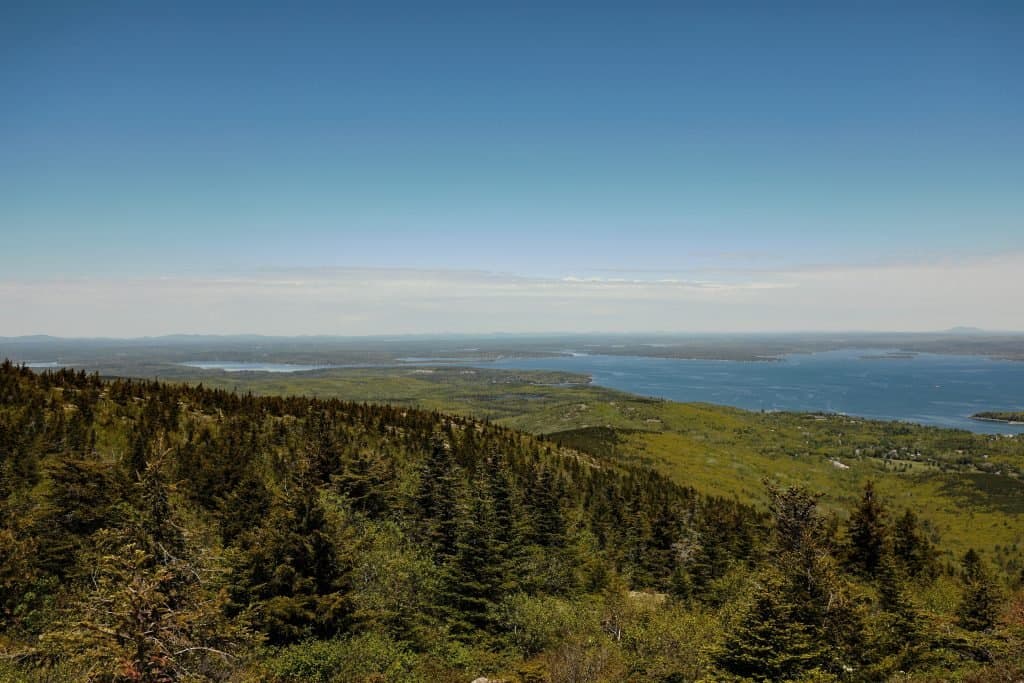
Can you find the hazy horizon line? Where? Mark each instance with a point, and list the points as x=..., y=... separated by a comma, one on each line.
x=953, y=331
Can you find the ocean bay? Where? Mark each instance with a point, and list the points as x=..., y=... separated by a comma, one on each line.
x=932, y=389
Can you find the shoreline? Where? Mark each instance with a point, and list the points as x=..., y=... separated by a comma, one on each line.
x=1001, y=420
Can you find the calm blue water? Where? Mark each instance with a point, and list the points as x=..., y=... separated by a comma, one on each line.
x=929, y=389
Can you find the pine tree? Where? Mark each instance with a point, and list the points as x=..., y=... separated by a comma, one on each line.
x=802, y=617
x=474, y=572
x=158, y=535
x=658, y=560
x=772, y=643
x=18, y=568
x=367, y=480
x=867, y=532
x=911, y=548
x=147, y=620
x=509, y=521
x=544, y=505
x=138, y=453
x=292, y=574
x=82, y=499
x=979, y=604
x=436, y=500
x=321, y=447
x=899, y=638
x=241, y=506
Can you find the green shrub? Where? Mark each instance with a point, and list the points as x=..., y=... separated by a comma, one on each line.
x=363, y=658
x=532, y=624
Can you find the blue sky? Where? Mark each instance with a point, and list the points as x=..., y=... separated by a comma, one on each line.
x=691, y=141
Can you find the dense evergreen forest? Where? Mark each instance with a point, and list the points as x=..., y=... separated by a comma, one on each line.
x=163, y=532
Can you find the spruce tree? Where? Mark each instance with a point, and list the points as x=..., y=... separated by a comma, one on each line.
x=366, y=479
x=145, y=619
x=158, y=534
x=867, y=532
x=545, y=508
x=801, y=617
x=436, y=499
x=83, y=497
x=508, y=519
x=911, y=548
x=242, y=507
x=292, y=573
x=899, y=636
x=979, y=603
x=772, y=643
x=474, y=572
x=658, y=560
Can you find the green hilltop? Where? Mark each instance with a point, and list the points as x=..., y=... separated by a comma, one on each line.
x=245, y=531
x=969, y=486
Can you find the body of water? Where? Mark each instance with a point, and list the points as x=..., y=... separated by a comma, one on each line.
x=932, y=389
x=238, y=366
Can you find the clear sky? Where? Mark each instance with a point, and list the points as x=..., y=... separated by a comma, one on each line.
x=655, y=150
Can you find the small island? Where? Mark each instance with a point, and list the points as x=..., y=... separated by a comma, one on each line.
x=1007, y=416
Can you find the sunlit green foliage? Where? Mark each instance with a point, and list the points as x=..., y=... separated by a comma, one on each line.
x=156, y=532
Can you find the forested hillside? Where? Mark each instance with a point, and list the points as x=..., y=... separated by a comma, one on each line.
x=161, y=532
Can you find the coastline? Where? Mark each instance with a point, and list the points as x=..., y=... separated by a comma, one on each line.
x=1001, y=420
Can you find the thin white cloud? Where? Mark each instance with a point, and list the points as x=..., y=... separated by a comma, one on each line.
x=921, y=296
